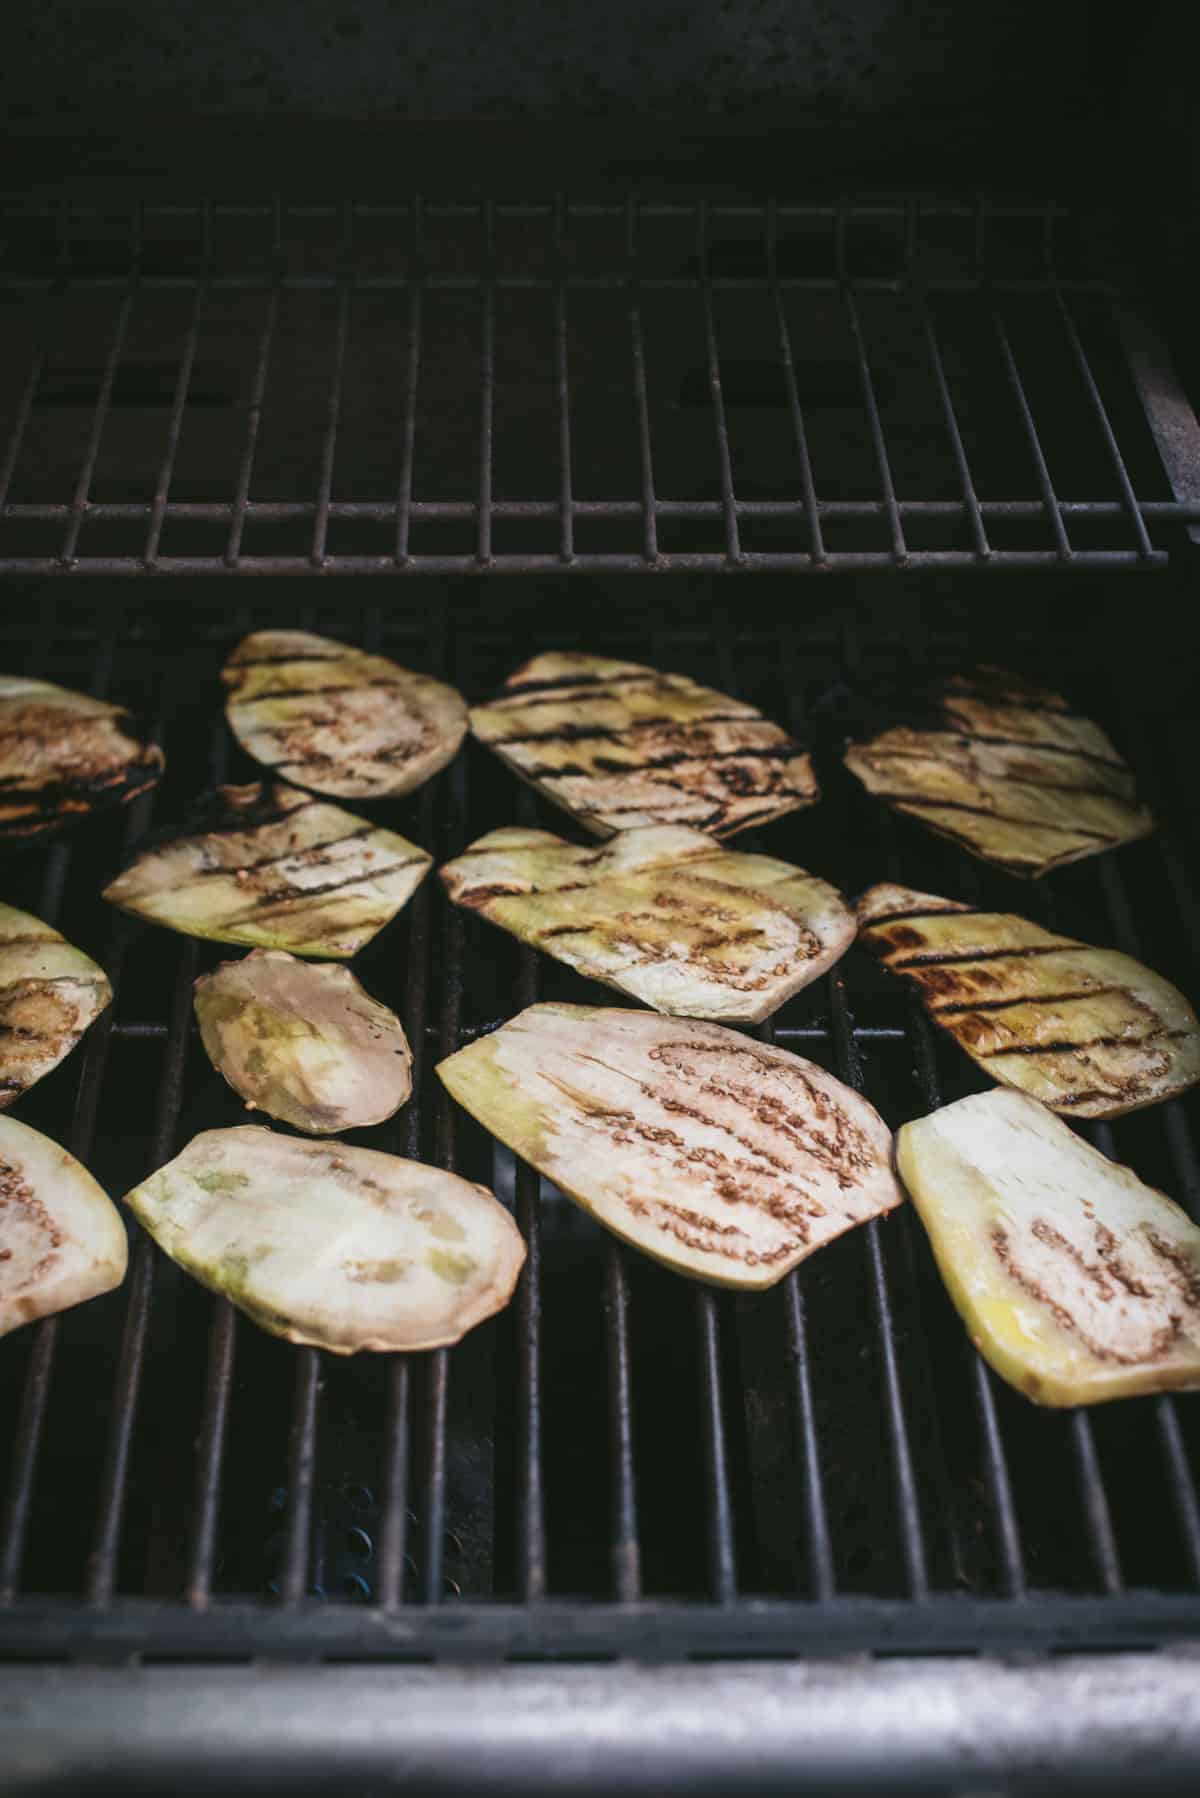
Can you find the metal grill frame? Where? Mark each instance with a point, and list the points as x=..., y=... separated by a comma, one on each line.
x=1151, y=524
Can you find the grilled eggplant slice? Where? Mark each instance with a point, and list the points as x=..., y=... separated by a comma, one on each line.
x=663, y=913
x=305, y=1043
x=339, y=720
x=49, y=994
x=64, y=755
x=1089, y=1032
x=1013, y=776
x=617, y=745
x=724, y=1158
x=340, y=1248
x=267, y=865
x=61, y=1237
x=1076, y=1282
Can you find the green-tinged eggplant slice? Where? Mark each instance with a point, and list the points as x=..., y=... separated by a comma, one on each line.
x=269, y=866
x=662, y=912
x=49, y=993
x=64, y=755
x=618, y=745
x=1089, y=1032
x=1076, y=1282
x=343, y=1249
x=725, y=1158
x=1012, y=775
x=61, y=1237
x=336, y=719
x=303, y=1042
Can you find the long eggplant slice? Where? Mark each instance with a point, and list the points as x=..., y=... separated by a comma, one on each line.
x=662, y=912
x=336, y=719
x=1012, y=775
x=49, y=993
x=618, y=745
x=724, y=1158
x=267, y=865
x=61, y=1237
x=303, y=1042
x=1076, y=1282
x=340, y=1248
x=64, y=755
x=1089, y=1032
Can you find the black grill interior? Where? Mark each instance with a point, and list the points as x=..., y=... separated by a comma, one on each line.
x=620, y=1441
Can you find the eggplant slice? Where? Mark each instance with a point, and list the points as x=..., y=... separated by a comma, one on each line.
x=64, y=755
x=1089, y=1032
x=303, y=1042
x=617, y=745
x=725, y=1158
x=663, y=913
x=1013, y=776
x=49, y=993
x=269, y=866
x=1076, y=1282
x=338, y=720
x=339, y=1248
x=61, y=1237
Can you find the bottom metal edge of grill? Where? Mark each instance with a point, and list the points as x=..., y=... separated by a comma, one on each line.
x=967, y=1729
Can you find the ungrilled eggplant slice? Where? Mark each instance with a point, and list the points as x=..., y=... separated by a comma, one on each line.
x=618, y=744
x=61, y=1237
x=64, y=755
x=1089, y=1032
x=1076, y=1282
x=303, y=1042
x=337, y=1247
x=270, y=866
x=663, y=913
x=336, y=719
x=1009, y=772
x=49, y=994
x=725, y=1158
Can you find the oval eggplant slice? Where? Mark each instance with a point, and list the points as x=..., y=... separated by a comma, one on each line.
x=1013, y=776
x=1089, y=1032
x=340, y=1248
x=339, y=720
x=664, y=913
x=725, y=1158
x=268, y=866
x=618, y=745
x=61, y=1237
x=1076, y=1282
x=49, y=993
x=64, y=755
x=305, y=1043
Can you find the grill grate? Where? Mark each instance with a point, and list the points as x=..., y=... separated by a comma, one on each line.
x=442, y=386
x=621, y=1463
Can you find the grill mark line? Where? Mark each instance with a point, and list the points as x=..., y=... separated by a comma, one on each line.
x=951, y=1010
x=1092, y=1042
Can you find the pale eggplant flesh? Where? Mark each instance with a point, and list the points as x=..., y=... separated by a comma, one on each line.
x=663, y=913
x=50, y=992
x=339, y=1248
x=271, y=867
x=337, y=719
x=1011, y=774
x=64, y=755
x=1090, y=1032
x=303, y=1042
x=61, y=1237
x=725, y=1158
x=1075, y=1281
x=618, y=744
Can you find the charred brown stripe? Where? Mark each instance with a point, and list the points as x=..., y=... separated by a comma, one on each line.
x=967, y=1005
x=940, y=958
x=1091, y=1042
x=348, y=686
x=583, y=733
x=1020, y=699
x=14, y=942
x=917, y=917
x=914, y=803
x=282, y=896
x=305, y=855
x=559, y=681
x=774, y=752
x=1040, y=747
x=235, y=822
